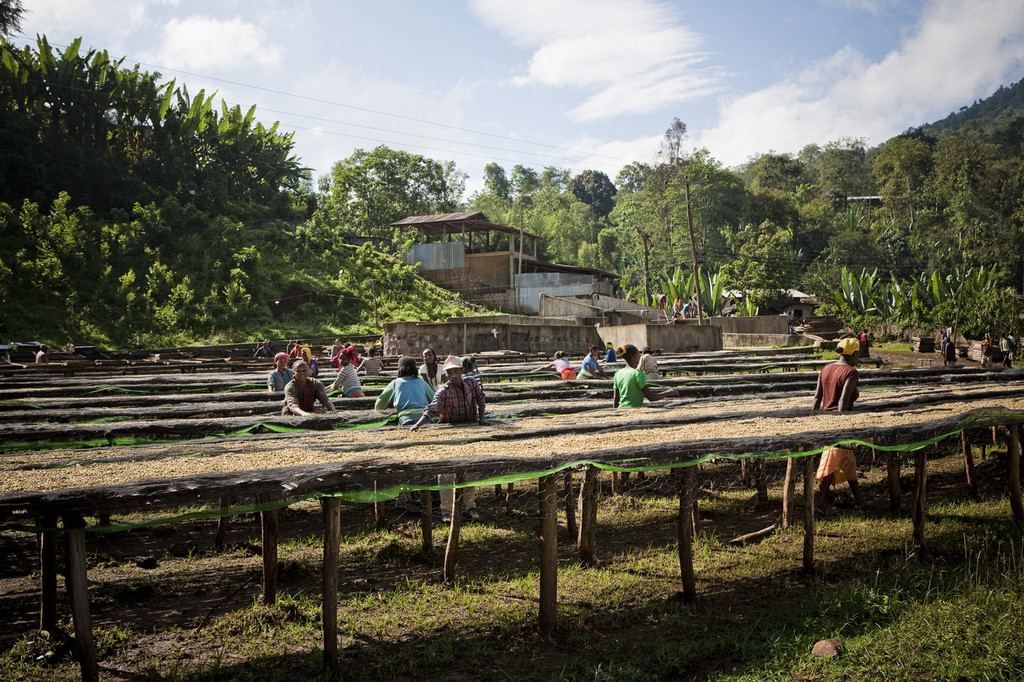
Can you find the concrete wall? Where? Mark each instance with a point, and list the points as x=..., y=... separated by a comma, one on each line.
x=765, y=340
x=475, y=335
x=439, y=256
x=762, y=324
x=597, y=306
x=489, y=269
x=532, y=285
x=671, y=338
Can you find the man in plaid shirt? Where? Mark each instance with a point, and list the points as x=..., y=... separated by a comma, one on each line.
x=460, y=400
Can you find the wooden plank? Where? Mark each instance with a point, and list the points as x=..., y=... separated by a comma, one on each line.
x=548, y=502
x=451, y=551
x=808, y=565
x=762, y=480
x=585, y=543
x=269, y=526
x=789, y=494
x=78, y=588
x=1013, y=447
x=972, y=484
x=222, y=523
x=687, y=496
x=427, y=521
x=920, y=489
x=47, y=574
x=380, y=516
x=892, y=466
x=570, y=504
x=357, y=475
x=332, y=546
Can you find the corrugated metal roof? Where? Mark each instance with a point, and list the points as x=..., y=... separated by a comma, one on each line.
x=453, y=223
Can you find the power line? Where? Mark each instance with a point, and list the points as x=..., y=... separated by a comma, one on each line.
x=375, y=112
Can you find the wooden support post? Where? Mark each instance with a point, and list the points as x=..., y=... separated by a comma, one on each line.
x=762, y=479
x=380, y=517
x=789, y=494
x=585, y=542
x=268, y=523
x=508, y=497
x=695, y=516
x=615, y=483
x=78, y=588
x=570, y=504
x=920, y=487
x=995, y=440
x=1014, y=456
x=427, y=520
x=745, y=470
x=972, y=484
x=687, y=495
x=332, y=546
x=892, y=466
x=222, y=523
x=47, y=574
x=451, y=551
x=808, y=514
x=548, y=494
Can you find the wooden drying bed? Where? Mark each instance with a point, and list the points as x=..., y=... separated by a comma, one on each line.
x=284, y=483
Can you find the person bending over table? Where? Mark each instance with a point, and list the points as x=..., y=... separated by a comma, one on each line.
x=303, y=391
x=836, y=392
x=631, y=383
x=408, y=394
x=460, y=400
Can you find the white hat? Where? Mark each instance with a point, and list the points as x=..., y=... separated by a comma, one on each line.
x=452, y=362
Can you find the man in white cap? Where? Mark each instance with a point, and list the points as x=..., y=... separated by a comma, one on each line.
x=460, y=400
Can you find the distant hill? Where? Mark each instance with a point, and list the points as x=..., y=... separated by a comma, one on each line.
x=1004, y=100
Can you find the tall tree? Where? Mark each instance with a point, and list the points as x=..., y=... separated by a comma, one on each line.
x=370, y=190
x=11, y=14
x=594, y=189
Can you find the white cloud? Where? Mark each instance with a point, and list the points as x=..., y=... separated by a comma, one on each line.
x=959, y=51
x=202, y=42
x=634, y=55
x=73, y=18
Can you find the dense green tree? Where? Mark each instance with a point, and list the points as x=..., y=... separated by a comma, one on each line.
x=370, y=190
x=780, y=172
x=765, y=264
x=901, y=170
x=496, y=181
x=594, y=189
x=843, y=170
x=11, y=14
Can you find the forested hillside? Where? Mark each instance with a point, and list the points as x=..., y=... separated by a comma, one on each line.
x=1006, y=101
x=133, y=212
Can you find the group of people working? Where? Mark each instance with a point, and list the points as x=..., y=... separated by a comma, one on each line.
x=451, y=392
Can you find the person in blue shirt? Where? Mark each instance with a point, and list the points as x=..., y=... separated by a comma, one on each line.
x=280, y=377
x=609, y=356
x=591, y=369
x=408, y=394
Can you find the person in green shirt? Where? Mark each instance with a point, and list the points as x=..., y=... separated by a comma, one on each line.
x=631, y=384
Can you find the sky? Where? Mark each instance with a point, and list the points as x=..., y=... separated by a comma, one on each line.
x=574, y=84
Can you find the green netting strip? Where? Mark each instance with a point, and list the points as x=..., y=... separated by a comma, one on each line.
x=18, y=403
x=622, y=465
